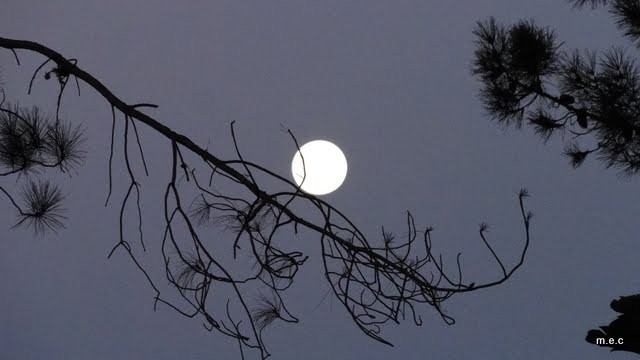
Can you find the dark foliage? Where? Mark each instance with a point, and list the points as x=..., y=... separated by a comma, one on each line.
x=42, y=207
x=595, y=98
x=29, y=140
x=623, y=333
x=29, y=143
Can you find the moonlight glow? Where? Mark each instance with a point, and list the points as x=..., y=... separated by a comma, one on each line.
x=324, y=170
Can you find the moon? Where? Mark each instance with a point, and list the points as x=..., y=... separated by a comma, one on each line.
x=324, y=169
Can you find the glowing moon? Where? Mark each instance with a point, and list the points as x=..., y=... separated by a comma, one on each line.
x=324, y=170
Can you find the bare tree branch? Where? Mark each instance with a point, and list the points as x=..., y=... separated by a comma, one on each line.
x=376, y=284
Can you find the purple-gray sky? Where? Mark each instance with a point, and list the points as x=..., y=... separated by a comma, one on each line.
x=388, y=82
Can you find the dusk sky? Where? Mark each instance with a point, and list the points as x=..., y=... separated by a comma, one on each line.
x=388, y=82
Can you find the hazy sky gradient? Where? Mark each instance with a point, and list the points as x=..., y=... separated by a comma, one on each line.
x=388, y=82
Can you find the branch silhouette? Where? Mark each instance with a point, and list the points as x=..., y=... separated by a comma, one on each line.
x=376, y=284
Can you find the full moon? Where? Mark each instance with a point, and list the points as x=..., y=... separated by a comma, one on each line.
x=324, y=169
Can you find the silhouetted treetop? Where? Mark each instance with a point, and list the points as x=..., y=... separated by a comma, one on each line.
x=592, y=100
